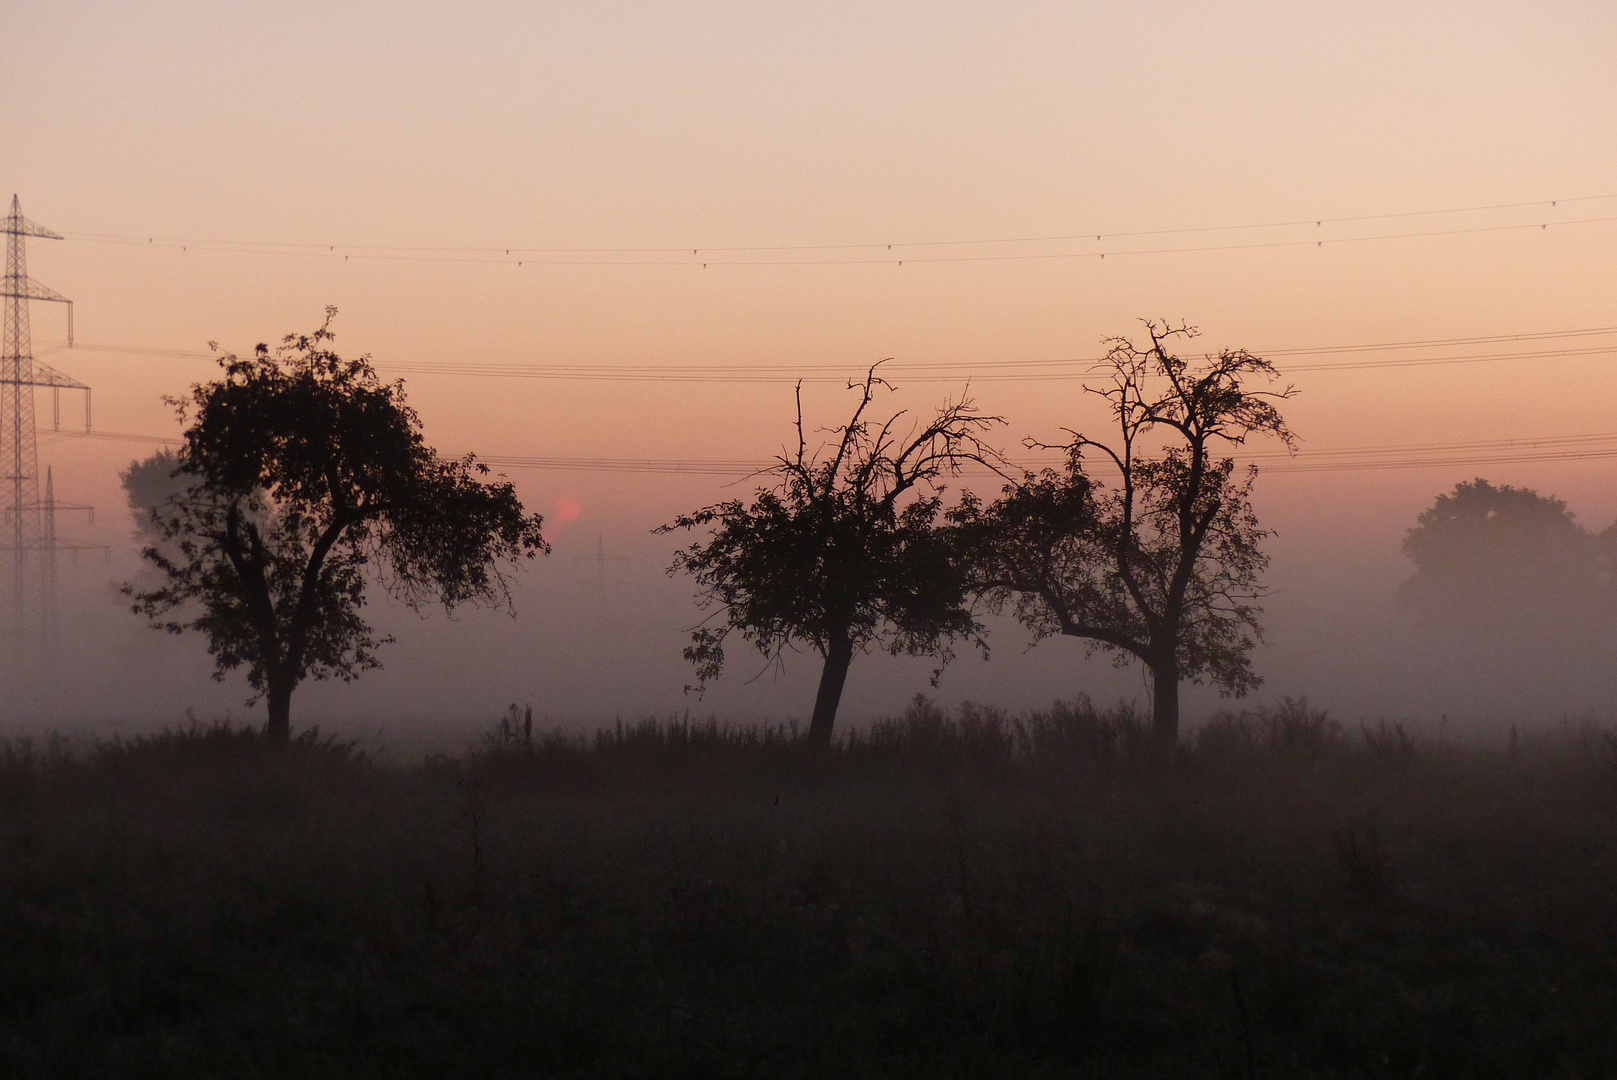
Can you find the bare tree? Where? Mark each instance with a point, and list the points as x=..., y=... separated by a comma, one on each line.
x=843, y=552
x=1162, y=566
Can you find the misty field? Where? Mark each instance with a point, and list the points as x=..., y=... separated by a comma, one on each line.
x=939, y=895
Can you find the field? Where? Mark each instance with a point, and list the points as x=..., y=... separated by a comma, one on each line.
x=939, y=896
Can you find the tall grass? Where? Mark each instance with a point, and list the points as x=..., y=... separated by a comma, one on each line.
x=959, y=892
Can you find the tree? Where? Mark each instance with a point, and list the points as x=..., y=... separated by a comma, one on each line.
x=152, y=484
x=1163, y=565
x=1487, y=557
x=843, y=552
x=1510, y=603
x=300, y=475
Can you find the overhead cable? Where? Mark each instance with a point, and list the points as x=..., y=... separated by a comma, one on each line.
x=975, y=370
x=877, y=253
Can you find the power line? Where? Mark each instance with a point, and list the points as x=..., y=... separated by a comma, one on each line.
x=114, y=436
x=695, y=260
x=1003, y=371
x=976, y=370
x=1441, y=455
x=1326, y=459
x=1384, y=456
x=507, y=249
x=1423, y=343
x=133, y=350
x=1431, y=361
x=1102, y=255
x=889, y=253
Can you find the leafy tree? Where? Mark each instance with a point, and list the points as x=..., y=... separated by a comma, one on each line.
x=1485, y=555
x=844, y=551
x=150, y=484
x=1511, y=604
x=301, y=474
x=1162, y=565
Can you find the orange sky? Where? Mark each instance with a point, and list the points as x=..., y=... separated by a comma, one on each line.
x=392, y=126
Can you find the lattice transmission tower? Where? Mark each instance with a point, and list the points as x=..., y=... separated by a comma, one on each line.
x=600, y=559
x=29, y=524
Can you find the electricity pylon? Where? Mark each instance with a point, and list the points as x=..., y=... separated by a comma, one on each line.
x=30, y=526
x=50, y=544
x=600, y=559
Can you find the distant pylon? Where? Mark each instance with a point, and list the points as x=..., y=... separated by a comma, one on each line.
x=25, y=518
x=50, y=544
x=47, y=554
x=600, y=560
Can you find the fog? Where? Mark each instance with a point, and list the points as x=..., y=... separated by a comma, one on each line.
x=593, y=640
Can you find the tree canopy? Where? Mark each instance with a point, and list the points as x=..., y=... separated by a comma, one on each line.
x=1484, y=549
x=150, y=483
x=302, y=475
x=1512, y=603
x=1161, y=564
x=843, y=552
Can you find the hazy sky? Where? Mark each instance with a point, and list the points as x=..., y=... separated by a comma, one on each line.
x=224, y=171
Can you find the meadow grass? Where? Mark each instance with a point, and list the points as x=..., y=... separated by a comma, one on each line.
x=943, y=894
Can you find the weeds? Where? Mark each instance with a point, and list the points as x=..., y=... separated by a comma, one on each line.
x=1388, y=741
x=1608, y=749
x=1076, y=731
x=1362, y=860
x=950, y=892
x=1292, y=729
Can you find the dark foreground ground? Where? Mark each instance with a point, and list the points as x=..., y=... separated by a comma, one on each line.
x=964, y=896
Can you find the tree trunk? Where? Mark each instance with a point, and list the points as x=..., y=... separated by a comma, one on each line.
x=838, y=655
x=279, y=728
x=1165, y=703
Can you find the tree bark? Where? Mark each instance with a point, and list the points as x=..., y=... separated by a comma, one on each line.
x=838, y=655
x=279, y=728
x=1165, y=703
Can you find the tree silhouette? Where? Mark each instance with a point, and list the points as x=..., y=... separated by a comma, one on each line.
x=150, y=483
x=302, y=473
x=843, y=552
x=1489, y=558
x=154, y=483
x=1163, y=565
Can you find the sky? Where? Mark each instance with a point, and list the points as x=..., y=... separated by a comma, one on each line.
x=221, y=173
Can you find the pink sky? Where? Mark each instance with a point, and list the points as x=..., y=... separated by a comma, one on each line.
x=393, y=126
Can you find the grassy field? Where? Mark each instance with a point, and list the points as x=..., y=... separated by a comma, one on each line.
x=941, y=896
